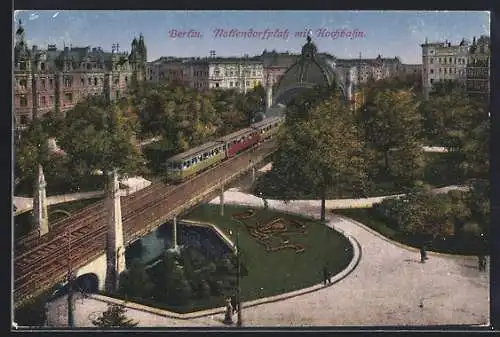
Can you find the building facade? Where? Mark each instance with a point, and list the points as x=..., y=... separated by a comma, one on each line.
x=411, y=69
x=372, y=69
x=443, y=61
x=55, y=80
x=275, y=65
x=478, y=67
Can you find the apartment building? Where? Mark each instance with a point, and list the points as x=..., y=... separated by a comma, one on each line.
x=443, y=61
x=56, y=80
x=478, y=67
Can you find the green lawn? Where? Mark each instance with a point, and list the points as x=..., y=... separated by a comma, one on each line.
x=462, y=243
x=272, y=273
x=23, y=222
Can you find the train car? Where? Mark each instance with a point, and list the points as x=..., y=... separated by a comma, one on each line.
x=267, y=128
x=184, y=165
x=240, y=141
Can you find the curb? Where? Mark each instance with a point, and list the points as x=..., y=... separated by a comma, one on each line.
x=357, y=253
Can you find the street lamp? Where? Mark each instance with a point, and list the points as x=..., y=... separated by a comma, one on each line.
x=71, y=320
x=238, y=299
x=238, y=274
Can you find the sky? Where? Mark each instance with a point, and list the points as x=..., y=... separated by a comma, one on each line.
x=388, y=33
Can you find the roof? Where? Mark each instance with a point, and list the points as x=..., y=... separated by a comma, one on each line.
x=235, y=134
x=194, y=151
x=239, y=60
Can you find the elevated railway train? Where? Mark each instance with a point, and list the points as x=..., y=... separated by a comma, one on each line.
x=187, y=164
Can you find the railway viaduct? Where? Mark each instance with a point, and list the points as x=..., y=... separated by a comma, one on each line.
x=41, y=262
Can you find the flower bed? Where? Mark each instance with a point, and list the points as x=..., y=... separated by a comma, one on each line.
x=274, y=235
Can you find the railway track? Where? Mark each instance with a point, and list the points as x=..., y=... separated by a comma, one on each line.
x=88, y=227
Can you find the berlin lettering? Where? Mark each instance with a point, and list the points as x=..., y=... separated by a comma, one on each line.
x=190, y=34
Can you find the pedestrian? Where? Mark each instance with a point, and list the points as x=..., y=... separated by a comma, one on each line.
x=234, y=304
x=325, y=275
x=329, y=277
x=423, y=254
x=481, y=262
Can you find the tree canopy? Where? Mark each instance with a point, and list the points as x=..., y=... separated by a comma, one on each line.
x=319, y=148
x=98, y=136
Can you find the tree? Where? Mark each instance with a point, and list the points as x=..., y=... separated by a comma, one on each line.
x=476, y=151
x=391, y=120
x=320, y=147
x=114, y=317
x=135, y=281
x=172, y=285
x=98, y=136
x=427, y=215
x=32, y=150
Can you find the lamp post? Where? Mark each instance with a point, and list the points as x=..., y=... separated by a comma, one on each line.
x=71, y=321
x=238, y=299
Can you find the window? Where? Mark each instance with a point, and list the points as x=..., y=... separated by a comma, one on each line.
x=117, y=93
x=95, y=80
x=440, y=60
x=68, y=97
x=449, y=60
x=51, y=83
x=231, y=84
x=126, y=79
x=216, y=85
x=52, y=100
x=88, y=66
x=22, y=65
x=432, y=80
x=42, y=66
x=83, y=81
x=237, y=84
x=24, y=119
x=23, y=83
x=444, y=70
x=89, y=80
x=43, y=101
x=248, y=83
x=67, y=82
x=23, y=101
x=431, y=60
x=43, y=84
x=432, y=71
x=117, y=81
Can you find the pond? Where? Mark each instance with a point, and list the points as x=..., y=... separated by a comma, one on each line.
x=152, y=246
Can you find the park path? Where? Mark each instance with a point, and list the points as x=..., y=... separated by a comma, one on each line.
x=389, y=286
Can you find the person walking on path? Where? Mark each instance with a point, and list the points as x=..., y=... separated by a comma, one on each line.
x=325, y=275
x=423, y=254
x=481, y=262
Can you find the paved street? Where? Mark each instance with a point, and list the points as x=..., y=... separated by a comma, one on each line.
x=388, y=287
